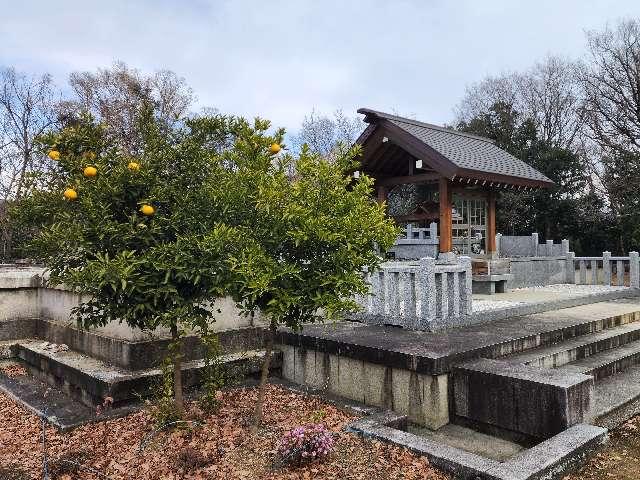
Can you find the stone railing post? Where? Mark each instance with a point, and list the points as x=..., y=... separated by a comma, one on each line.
x=549, y=248
x=377, y=292
x=433, y=230
x=466, y=297
x=426, y=294
x=571, y=267
x=498, y=239
x=606, y=268
x=534, y=244
x=634, y=270
x=565, y=246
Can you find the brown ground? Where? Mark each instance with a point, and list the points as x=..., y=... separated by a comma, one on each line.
x=619, y=460
x=221, y=449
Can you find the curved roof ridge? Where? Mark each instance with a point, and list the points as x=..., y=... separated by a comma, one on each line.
x=369, y=111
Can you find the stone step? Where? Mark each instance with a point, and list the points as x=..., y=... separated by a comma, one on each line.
x=617, y=398
x=142, y=353
x=607, y=363
x=434, y=353
x=581, y=347
x=90, y=380
x=533, y=401
x=59, y=409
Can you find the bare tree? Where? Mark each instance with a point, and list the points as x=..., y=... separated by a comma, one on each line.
x=27, y=109
x=481, y=96
x=324, y=134
x=548, y=93
x=116, y=95
x=610, y=78
x=611, y=81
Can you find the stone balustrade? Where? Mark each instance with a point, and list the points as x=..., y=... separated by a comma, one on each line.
x=601, y=270
x=421, y=295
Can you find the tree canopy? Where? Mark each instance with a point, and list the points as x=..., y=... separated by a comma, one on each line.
x=202, y=211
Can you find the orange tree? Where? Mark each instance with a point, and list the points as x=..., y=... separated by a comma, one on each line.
x=141, y=237
x=312, y=234
x=207, y=210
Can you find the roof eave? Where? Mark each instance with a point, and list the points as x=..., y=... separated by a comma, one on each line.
x=503, y=179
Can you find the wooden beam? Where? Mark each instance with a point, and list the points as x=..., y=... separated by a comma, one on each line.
x=383, y=194
x=420, y=178
x=491, y=222
x=419, y=149
x=446, y=230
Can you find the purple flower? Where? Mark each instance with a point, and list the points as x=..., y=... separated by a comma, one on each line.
x=305, y=443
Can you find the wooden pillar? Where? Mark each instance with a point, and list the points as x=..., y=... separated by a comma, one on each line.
x=491, y=223
x=446, y=232
x=383, y=194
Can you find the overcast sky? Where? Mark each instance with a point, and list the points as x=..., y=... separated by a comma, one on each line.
x=280, y=59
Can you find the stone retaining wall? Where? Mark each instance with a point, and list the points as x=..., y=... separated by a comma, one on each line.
x=538, y=271
x=529, y=246
x=25, y=296
x=422, y=397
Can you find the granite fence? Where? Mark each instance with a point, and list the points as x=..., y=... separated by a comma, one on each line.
x=604, y=270
x=421, y=295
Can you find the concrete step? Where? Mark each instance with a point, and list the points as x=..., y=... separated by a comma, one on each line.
x=617, y=398
x=90, y=380
x=606, y=363
x=61, y=411
x=537, y=402
x=581, y=347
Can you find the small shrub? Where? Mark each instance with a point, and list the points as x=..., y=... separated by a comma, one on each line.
x=318, y=415
x=305, y=444
x=189, y=458
x=214, y=375
x=163, y=408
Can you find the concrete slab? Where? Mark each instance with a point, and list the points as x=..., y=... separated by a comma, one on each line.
x=90, y=380
x=435, y=352
x=470, y=441
x=617, y=398
x=548, y=460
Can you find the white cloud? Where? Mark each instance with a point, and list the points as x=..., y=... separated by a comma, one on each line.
x=280, y=59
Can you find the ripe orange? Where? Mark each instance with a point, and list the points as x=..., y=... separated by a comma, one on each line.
x=90, y=171
x=70, y=194
x=274, y=148
x=54, y=155
x=147, y=209
x=133, y=166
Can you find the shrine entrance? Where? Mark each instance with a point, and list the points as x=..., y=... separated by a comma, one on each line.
x=469, y=224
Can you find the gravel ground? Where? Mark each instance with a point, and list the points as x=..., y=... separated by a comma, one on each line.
x=563, y=289
x=484, y=305
x=567, y=288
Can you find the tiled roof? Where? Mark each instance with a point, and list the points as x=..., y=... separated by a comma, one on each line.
x=465, y=151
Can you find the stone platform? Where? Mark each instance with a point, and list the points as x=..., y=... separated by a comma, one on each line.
x=410, y=371
x=543, y=383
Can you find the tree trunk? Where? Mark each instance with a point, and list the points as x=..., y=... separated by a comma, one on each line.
x=177, y=370
x=264, y=375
